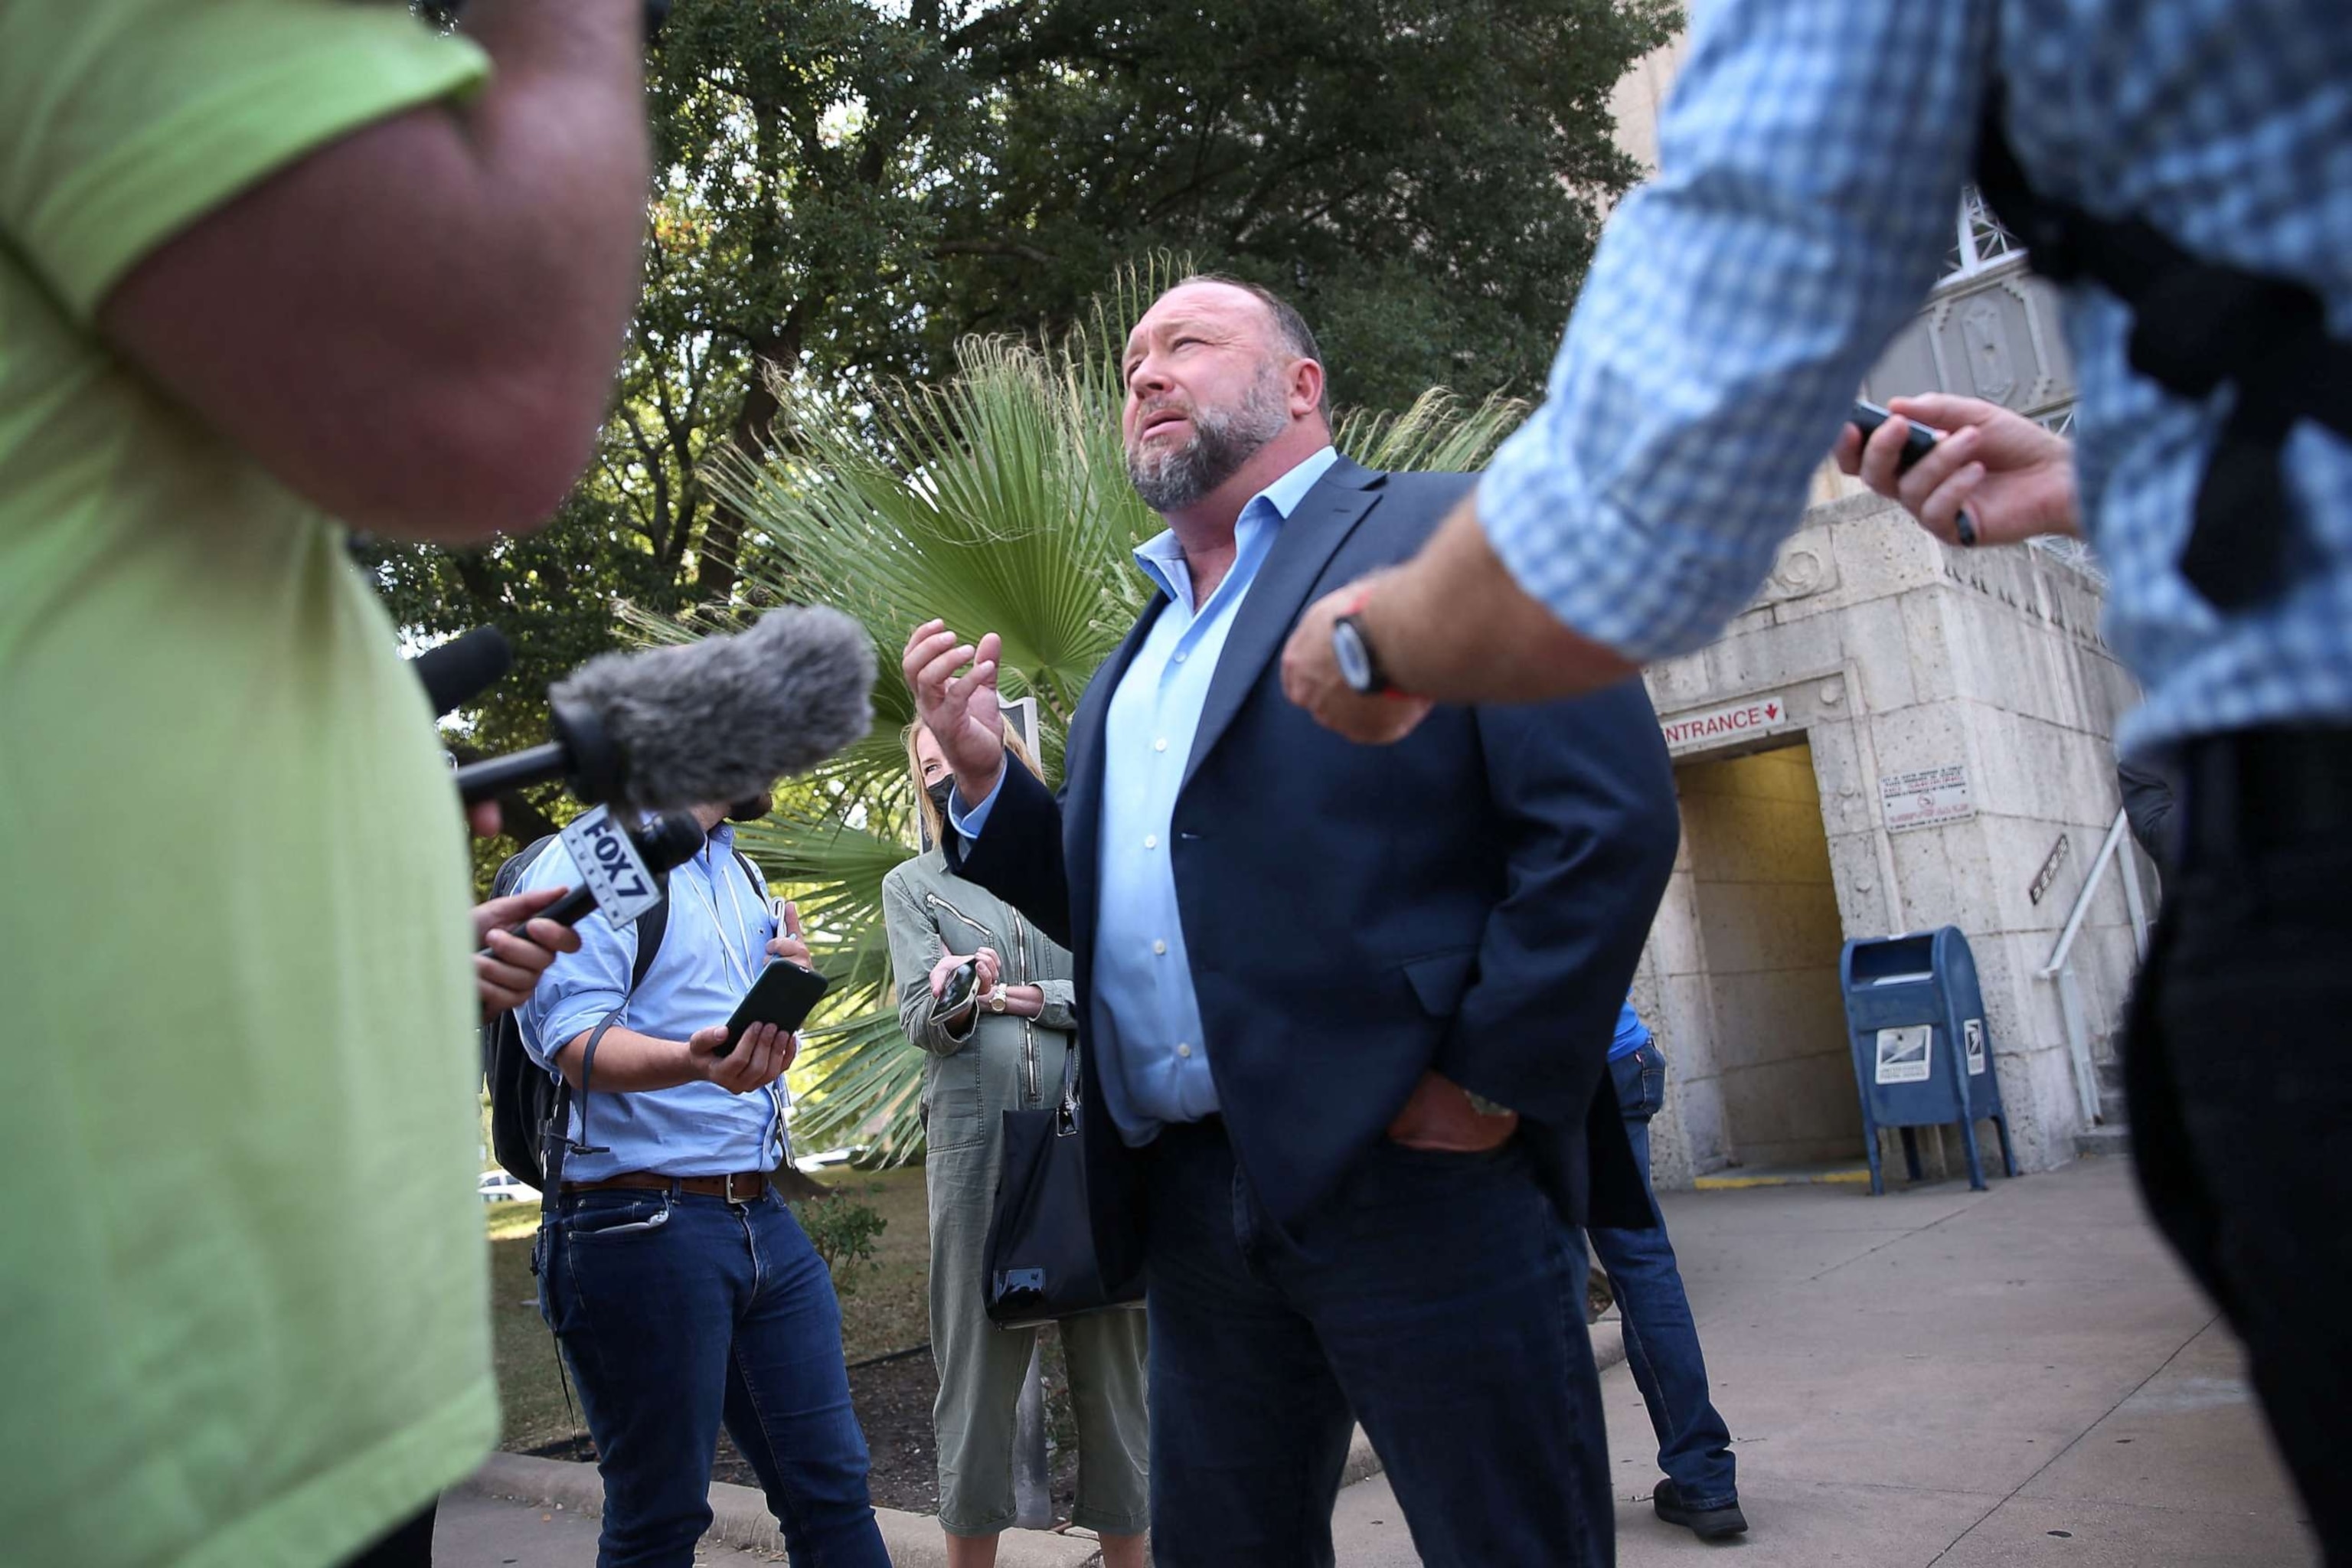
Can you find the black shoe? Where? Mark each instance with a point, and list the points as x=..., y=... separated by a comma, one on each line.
x=1707, y=1523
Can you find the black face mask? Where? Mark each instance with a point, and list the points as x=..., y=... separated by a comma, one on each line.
x=751, y=810
x=938, y=791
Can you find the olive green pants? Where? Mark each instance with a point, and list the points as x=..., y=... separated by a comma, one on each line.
x=982, y=1367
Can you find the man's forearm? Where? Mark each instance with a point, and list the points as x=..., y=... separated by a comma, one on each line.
x=417, y=326
x=560, y=170
x=1452, y=624
x=628, y=1062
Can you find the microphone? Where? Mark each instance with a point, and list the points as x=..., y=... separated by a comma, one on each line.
x=717, y=720
x=457, y=671
x=668, y=841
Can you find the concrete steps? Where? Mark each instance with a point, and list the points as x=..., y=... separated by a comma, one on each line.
x=2114, y=1138
x=2113, y=1134
x=2111, y=1087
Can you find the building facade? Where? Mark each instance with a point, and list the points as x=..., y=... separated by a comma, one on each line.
x=1897, y=735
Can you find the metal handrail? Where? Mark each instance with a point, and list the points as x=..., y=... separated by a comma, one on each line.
x=2061, y=967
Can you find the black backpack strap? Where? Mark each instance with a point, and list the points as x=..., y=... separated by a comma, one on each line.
x=588, y=1076
x=2196, y=326
x=751, y=871
x=650, y=927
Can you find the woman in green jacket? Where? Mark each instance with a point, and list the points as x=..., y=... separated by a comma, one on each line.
x=1005, y=1048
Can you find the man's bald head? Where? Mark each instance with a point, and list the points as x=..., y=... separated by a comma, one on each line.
x=1286, y=329
x=1217, y=372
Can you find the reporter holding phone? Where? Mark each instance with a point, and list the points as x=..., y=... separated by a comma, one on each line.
x=682, y=1291
x=998, y=1043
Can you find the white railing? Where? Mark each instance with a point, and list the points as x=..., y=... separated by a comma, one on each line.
x=2061, y=969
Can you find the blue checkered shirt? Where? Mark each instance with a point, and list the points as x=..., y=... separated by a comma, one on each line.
x=1812, y=157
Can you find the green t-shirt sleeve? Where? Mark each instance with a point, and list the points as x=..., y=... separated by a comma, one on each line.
x=123, y=122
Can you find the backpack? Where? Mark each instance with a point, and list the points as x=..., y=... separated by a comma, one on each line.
x=2196, y=326
x=531, y=1108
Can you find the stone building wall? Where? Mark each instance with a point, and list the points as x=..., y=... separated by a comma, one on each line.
x=1978, y=678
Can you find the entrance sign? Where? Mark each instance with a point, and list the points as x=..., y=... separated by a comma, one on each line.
x=1759, y=716
x=1926, y=798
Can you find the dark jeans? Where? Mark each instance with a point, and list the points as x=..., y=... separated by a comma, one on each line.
x=1661, y=1340
x=1438, y=1300
x=2239, y=1069
x=675, y=1311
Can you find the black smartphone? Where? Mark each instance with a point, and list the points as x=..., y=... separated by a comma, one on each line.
x=782, y=996
x=1916, y=442
x=957, y=991
x=1867, y=417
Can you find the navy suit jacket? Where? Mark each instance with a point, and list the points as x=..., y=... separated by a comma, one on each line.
x=1472, y=899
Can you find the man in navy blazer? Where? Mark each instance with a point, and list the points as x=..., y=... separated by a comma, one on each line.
x=1346, y=1011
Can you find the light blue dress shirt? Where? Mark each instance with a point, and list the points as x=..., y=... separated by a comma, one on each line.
x=714, y=944
x=1154, y=1063
x=1811, y=158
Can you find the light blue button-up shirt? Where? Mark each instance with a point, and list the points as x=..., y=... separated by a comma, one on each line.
x=1811, y=154
x=714, y=944
x=1155, y=1065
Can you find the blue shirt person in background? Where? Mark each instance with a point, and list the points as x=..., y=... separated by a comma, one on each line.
x=1700, y=1490
x=1811, y=159
x=682, y=1290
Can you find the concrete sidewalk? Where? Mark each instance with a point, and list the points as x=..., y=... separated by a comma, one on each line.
x=477, y=1530
x=1939, y=1376
x=521, y=1512
x=1935, y=1376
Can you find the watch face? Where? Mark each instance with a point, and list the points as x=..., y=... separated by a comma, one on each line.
x=1355, y=659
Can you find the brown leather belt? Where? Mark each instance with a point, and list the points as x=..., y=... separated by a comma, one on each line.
x=741, y=1188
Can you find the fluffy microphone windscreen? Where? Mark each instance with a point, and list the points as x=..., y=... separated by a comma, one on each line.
x=724, y=718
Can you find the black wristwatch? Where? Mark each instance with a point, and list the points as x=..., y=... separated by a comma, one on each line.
x=1358, y=666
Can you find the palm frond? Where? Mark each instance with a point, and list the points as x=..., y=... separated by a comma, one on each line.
x=1440, y=433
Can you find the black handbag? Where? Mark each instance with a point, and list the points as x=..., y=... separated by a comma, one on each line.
x=1042, y=1265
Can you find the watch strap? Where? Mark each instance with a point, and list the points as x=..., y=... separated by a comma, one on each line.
x=1350, y=627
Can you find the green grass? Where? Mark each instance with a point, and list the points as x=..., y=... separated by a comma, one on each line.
x=885, y=1306
x=507, y=1220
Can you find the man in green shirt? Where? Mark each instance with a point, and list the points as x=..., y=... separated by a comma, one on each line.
x=262, y=263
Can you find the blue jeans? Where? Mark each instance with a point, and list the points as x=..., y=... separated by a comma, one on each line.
x=1661, y=1340
x=677, y=1311
x=1431, y=1301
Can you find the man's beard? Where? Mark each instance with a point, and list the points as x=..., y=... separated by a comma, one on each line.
x=1170, y=479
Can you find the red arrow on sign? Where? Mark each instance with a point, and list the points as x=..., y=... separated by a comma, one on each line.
x=1771, y=710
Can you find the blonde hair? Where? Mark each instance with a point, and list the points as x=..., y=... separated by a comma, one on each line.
x=930, y=813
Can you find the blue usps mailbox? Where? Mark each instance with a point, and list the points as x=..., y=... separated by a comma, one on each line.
x=1921, y=1052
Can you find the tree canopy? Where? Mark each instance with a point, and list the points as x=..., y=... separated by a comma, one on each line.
x=850, y=187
